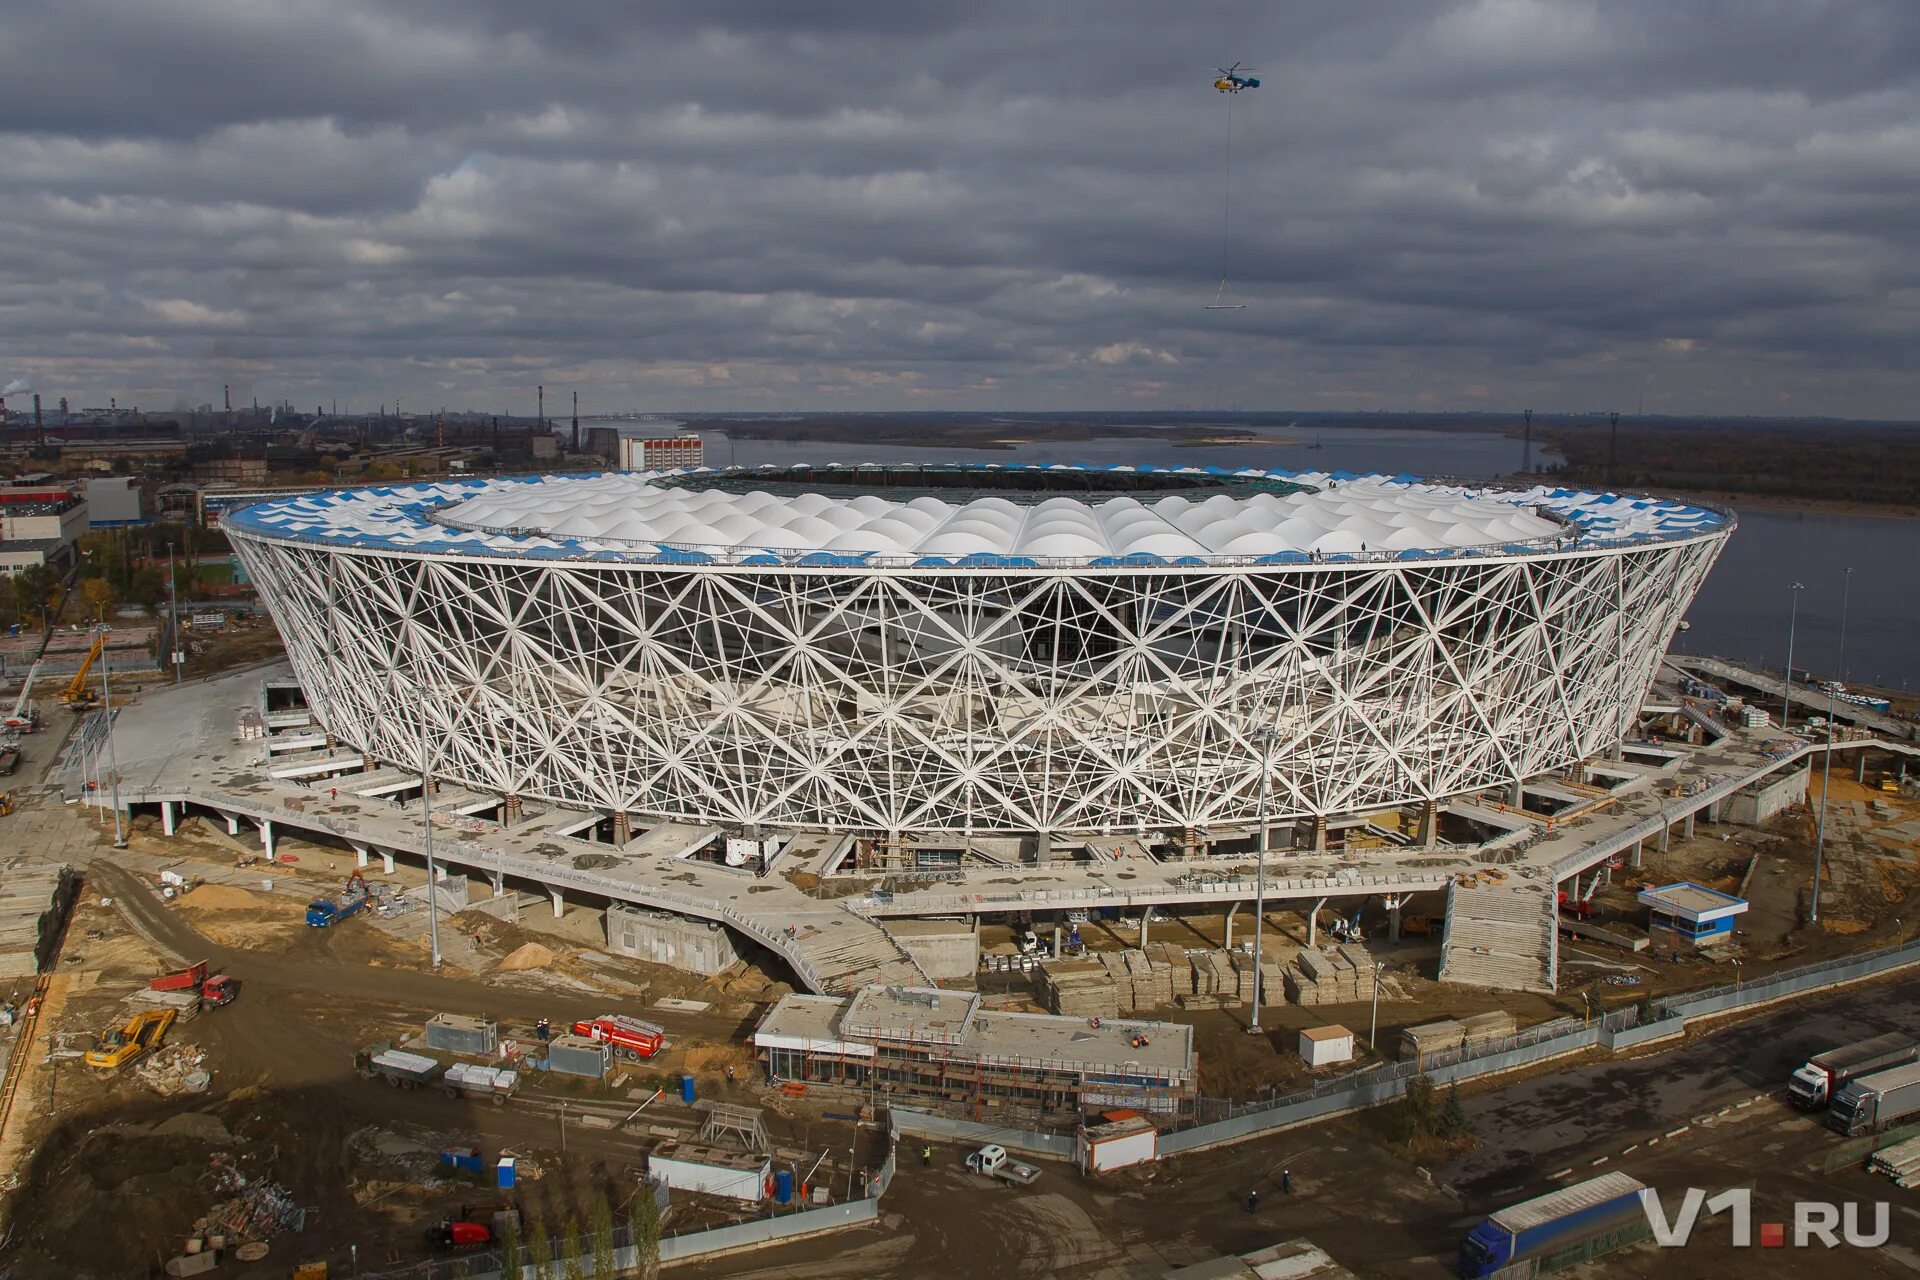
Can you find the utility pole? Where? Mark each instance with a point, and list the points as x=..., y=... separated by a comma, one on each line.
x=1373, y=1025
x=173, y=617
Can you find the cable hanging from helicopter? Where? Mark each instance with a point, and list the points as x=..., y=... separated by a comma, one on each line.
x=1232, y=82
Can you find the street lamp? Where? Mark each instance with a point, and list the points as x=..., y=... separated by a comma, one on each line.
x=1373, y=1025
x=1260, y=876
x=173, y=618
x=1826, y=771
x=426, y=825
x=1786, y=684
x=113, y=759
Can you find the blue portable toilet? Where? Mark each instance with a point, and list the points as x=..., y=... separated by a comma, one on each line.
x=465, y=1159
x=505, y=1174
x=686, y=1087
x=783, y=1185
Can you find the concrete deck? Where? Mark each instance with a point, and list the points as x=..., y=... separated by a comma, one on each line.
x=176, y=747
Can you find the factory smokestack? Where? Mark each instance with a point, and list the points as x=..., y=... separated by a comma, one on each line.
x=576, y=422
x=39, y=427
x=226, y=392
x=541, y=390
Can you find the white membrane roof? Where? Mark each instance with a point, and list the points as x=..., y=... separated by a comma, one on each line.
x=654, y=515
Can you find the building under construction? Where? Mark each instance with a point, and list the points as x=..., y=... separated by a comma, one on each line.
x=941, y=1050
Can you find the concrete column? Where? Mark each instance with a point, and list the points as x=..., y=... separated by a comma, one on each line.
x=1042, y=855
x=1517, y=794
x=1227, y=944
x=1427, y=827
x=168, y=821
x=622, y=829
x=233, y=823
x=266, y=836
x=1146, y=914
x=1320, y=833
x=498, y=879
x=1617, y=752
x=387, y=860
x=1686, y=826
x=1393, y=921
x=1313, y=922
x=1056, y=935
x=511, y=810
x=1666, y=832
x=559, y=903
x=1859, y=766
x=360, y=856
x=1636, y=852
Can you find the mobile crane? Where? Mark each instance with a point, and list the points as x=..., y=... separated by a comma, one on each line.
x=76, y=694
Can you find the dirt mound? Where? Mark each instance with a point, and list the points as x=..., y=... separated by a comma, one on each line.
x=530, y=955
x=220, y=897
x=715, y=1058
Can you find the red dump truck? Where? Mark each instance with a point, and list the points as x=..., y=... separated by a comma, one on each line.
x=213, y=991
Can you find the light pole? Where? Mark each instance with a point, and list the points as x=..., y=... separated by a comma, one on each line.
x=173, y=618
x=113, y=759
x=1260, y=877
x=1826, y=770
x=1786, y=683
x=426, y=826
x=1373, y=1024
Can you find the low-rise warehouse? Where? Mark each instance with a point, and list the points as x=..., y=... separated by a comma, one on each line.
x=941, y=1050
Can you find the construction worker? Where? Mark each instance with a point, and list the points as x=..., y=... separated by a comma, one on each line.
x=926, y=1155
x=1253, y=1201
x=1286, y=1182
x=543, y=1029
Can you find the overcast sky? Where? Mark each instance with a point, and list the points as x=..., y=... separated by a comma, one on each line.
x=820, y=203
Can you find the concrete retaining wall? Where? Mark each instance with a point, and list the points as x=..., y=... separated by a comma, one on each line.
x=664, y=938
x=1761, y=801
x=922, y=1125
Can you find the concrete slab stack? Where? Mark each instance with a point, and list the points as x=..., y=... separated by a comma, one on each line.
x=1432, y=1037
x=1326, y=977
x=1079, y=989
x=1484, y=1028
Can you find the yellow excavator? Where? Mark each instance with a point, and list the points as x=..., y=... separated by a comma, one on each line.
x=122, y=1045
x=76, y=694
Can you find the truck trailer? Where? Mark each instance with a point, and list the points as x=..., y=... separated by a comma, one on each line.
x=1611, y=1205
x=1873, y=1103
x=1818, y=1079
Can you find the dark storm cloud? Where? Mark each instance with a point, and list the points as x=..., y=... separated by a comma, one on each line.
x=779, y=205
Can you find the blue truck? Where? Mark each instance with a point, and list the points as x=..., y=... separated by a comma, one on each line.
x=1612, y=1204
x=353, y=897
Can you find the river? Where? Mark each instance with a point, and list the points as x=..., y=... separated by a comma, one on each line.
x=1742, y=613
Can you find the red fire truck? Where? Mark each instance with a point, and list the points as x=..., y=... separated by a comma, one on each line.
x=630, y=1037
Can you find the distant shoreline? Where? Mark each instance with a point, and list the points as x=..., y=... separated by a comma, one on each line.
x=1780, y=504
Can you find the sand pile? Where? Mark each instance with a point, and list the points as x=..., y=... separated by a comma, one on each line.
x=220, y=897
x=528, y=956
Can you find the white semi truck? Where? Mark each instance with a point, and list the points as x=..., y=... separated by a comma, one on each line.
x=1818, y=1079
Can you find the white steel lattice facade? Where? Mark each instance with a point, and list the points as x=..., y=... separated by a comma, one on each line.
x=759, y=648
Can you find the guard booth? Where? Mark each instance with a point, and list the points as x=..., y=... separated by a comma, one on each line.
x=1688, y=917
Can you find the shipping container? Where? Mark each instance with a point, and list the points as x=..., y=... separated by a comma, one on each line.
x=579, y=1056
x=458, y=1033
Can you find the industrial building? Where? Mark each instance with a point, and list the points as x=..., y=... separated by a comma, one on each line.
x=39, y=525
x=663, y=453
x=942, y=1051
x=1036, y=655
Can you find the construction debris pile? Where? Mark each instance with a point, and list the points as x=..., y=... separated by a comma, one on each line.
x=173, y=1070
x=1450, y=1034
x=254, y=1208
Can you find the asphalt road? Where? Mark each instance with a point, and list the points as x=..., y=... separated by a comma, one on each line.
x=1532, y=1127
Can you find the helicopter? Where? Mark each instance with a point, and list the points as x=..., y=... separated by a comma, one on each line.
x=1235, y=78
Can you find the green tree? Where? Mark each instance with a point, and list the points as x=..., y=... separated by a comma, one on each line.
x=147, y=587
x=1419, y=1105
x=570, y=1268
x=646, y=1230
x=512, y=1260
x=40, y=589
x=1453, y=1121
x=542, y=1250
x=600, y=1228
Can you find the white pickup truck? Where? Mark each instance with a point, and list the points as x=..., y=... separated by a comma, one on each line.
x=992, y=1160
